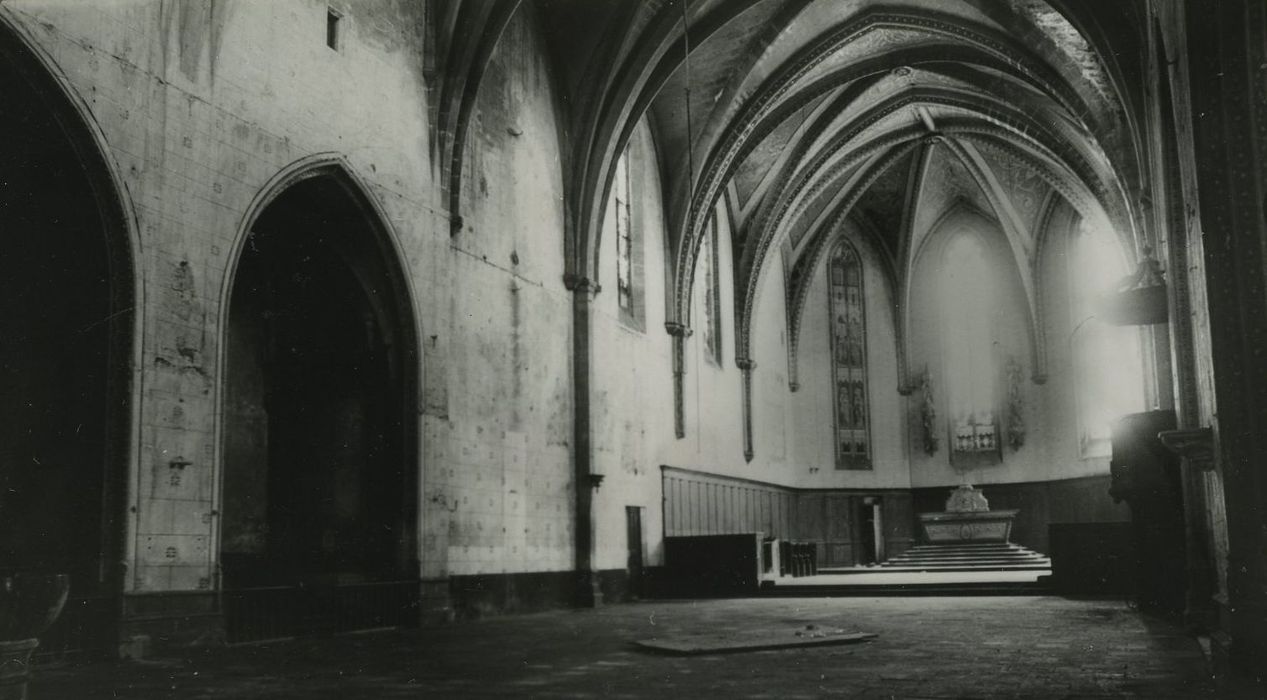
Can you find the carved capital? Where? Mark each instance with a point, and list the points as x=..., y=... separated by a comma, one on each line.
x=456, y=222
x=580, y=284
x=678, y=330
x=745, y=363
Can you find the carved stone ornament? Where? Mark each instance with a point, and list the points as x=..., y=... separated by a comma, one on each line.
x=967, y=499
x=679, y=332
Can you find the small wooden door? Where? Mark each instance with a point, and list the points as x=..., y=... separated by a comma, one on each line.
x=633, y=562
x=870, y=531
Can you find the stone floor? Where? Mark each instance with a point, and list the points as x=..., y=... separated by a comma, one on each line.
x=985, y=647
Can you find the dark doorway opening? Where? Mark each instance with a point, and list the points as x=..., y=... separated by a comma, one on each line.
x=66, y=305
x=320, y=460
x=635, y=547
x=870, y=531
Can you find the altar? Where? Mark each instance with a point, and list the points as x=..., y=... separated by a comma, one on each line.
x=967, y=518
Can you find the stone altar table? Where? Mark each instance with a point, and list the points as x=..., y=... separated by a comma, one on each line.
x=967, y=518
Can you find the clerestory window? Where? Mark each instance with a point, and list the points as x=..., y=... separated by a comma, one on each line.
x=712, y=292
x=621, y=196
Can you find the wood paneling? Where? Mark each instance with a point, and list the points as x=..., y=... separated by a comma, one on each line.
x=697, y=503
x=700, y=504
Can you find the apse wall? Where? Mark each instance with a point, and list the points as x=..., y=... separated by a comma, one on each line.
x=1048, y=478
x=1047, y=425
x=814, y=410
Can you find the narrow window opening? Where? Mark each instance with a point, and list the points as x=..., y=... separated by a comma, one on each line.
x=849, y=358
x=712, y=293
x=624, y=235
x=332, y=28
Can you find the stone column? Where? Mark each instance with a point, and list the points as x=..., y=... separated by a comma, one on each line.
x=1229, y=105
x=680, y=333
x=588, y=592
x=747, y=365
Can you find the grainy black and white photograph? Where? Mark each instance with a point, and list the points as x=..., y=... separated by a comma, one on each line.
x=633, y=349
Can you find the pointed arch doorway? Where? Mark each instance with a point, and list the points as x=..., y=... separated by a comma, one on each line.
x=66, y=349
x=318, y=528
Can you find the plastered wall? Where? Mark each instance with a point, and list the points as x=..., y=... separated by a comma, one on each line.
x=1051, y=448
x=499, y=484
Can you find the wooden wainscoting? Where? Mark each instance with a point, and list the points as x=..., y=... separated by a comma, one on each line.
x=700, y=503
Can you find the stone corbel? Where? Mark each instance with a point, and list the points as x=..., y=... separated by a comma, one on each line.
x=680, y=332
x=1196, y=445
x=747, y=365
x=581, y=285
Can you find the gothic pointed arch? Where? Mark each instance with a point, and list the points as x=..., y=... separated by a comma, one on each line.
x=68, y=295
x=847, y=319
x=319, y=367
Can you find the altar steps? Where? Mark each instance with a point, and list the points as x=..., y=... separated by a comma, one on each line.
x=967, y=557
x=931, y=570
x=822, y=589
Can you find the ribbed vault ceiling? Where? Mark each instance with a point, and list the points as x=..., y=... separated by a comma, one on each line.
x=804, y=114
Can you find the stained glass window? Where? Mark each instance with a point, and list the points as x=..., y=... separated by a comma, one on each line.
x=849, y=358
x=624, y=235
x=712, y=297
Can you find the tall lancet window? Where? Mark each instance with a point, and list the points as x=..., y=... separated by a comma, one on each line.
x=970, y=303
x=709, y=273
x=1107, y=360
x=624, y=234
x=846, y=303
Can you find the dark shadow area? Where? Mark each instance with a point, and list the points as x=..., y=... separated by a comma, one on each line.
x=65, y=301
x=318, y=470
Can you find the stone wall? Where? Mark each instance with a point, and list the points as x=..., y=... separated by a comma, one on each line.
x=205, y=111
